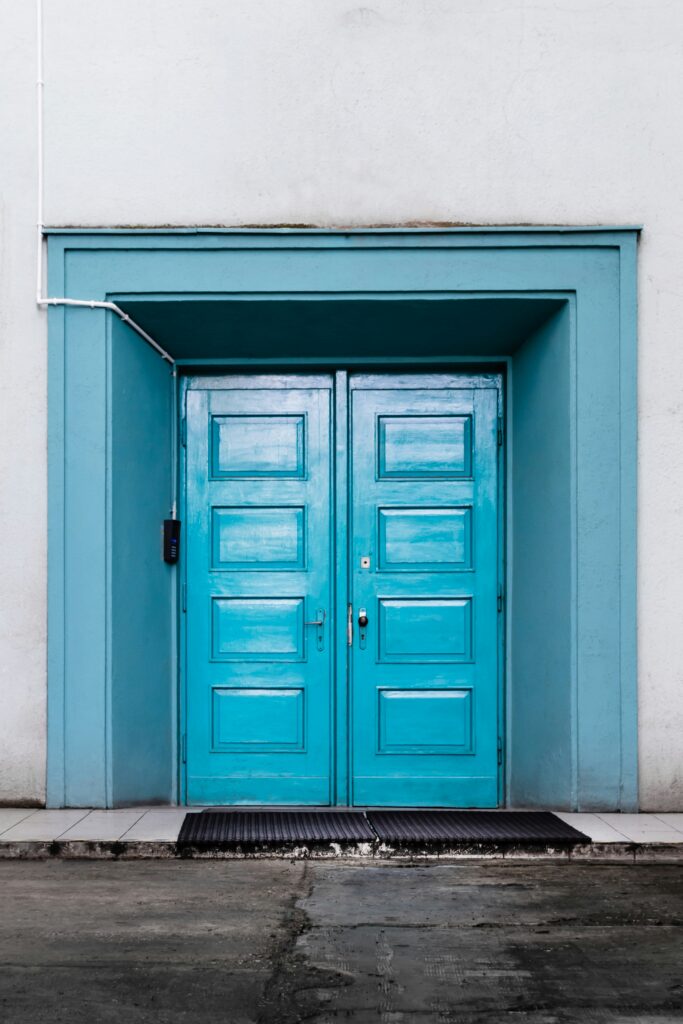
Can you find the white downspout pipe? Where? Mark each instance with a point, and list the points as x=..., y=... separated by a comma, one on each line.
x=43, y=301
x=40, y=299
x=94, y=304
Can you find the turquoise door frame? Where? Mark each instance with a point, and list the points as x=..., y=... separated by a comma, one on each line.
x=287, y=698
x=557, y=307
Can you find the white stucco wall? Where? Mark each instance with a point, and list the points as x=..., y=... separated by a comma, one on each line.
x=180, y=112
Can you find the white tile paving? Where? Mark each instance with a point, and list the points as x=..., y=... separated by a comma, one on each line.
x=649, y=835
x=43, y=826
x=104, y=826
x=162, y=824
x=593, y=827
x=642, y=828
x=10, y=816
x=673, y=820
x=640, y=821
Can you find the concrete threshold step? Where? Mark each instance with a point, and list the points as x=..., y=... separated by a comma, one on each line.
x=155, y=832
x=360, y=852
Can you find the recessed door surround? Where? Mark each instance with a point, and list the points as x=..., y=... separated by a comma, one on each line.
x=554, y=307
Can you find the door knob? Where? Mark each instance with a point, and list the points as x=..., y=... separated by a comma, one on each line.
x=362, y=628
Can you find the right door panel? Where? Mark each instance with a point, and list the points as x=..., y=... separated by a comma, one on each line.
x=424, y=554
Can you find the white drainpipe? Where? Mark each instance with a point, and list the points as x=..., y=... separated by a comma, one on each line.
x=40, y=299
x=90, y=303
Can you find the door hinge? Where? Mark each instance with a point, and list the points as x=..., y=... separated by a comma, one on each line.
x=501, y=598
x=500, y=431
x=183, y=431
x=500, y=750
x=183, y=748
x=183, y=597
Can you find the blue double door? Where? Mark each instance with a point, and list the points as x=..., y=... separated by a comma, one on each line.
x=342, y=608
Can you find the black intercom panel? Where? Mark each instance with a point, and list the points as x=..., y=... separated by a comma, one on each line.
x=171, y=540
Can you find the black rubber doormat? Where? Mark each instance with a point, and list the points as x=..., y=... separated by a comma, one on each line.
x=290, y=828
x=235, y=827
x=473, y=827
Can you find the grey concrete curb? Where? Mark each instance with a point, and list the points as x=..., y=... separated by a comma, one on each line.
x=634, y=853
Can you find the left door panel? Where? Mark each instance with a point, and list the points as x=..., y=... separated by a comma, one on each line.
x=258, y=574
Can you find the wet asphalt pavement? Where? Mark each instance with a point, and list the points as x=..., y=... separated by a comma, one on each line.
x=275, y=942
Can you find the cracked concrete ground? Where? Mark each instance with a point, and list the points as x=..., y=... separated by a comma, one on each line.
x=274, y=942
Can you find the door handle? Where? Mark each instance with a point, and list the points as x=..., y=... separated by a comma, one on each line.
x=362, y=628
x=319, y=623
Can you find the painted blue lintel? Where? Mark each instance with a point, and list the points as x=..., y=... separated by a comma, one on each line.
x=560, y=229
x=594, y=268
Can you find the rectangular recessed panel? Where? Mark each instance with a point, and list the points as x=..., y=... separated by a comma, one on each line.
x=425, y=539
x=421, y=447
x=257, y=538
x=257, y=719
x=258, y=628
x=427, y=721
x=425, y=629
x=257, y=446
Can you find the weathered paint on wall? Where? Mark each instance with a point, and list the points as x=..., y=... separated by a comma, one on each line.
x=207, y=113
